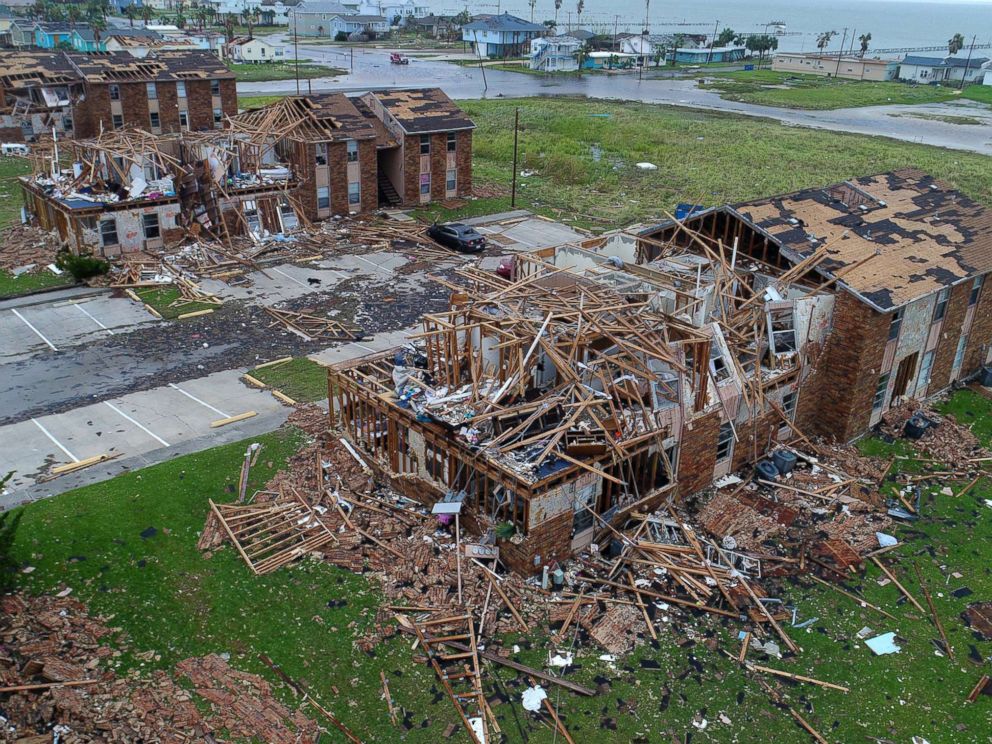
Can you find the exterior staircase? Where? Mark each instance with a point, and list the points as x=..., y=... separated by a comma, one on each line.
x=387, y=192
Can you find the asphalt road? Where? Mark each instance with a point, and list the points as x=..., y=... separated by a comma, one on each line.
x=370, y=69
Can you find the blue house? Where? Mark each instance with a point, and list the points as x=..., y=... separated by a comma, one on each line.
x=50, y=35
x=501, y=35
x=84, y=39
x=717, y=54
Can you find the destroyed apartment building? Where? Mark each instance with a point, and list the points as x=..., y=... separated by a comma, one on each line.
x=630, y=370
x=84, y=94
x=269, y=171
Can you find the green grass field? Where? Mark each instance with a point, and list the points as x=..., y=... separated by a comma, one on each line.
x=10, y=190
x=11, y=285
x=161, y=298
x=264, y=72
x=978, y=93
x=302, y=379
x=171, y=599
x=584, y=153
x=789, y=90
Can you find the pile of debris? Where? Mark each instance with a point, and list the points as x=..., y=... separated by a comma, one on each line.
x=26, y=247
x=942, y=438
x=54, y=677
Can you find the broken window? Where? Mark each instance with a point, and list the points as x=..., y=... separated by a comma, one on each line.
x=323, y=197
x=115, y=92
x=156, y=122
x=218, y=118
x=352, y=151
x=959, y=354
x=718, y=365
x=215, y=87
x=452, y=141
x=184, y=119
x=782, y=330
x=108, y=233
x=320, y=153
x=896, y=324
x=435, y=462
x=425, y=144
x=941, y=310
x=976, y=290
x=789, y=404
x=880, y=390
x=150, y=224
x=926, y=368
x=251, y=216
x=287, y=215
x=117, y=121
x=725, y=442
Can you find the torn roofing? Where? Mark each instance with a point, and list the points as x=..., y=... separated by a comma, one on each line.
x=927, y=235
x=423, y=110
x=20, y=68
x=324, y=117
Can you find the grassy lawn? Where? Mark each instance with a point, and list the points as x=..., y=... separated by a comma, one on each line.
x=161, y=298
x=170, y=599
x=979, y=93
x=10, y=189
x=946, y=118
x=247, y=102
x=302, y=379
x=266, y=71
x=584, y=153
x=789, y=90
x=11, y=285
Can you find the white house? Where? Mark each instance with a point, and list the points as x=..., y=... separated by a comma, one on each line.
x=313, y=17
x=930, y=70
x=988, y=78
x=358, y=24
x=640, y=47
x=280, y=10
x=554, y=53
x=243, y=49
x=501, y=35
x=392, y=9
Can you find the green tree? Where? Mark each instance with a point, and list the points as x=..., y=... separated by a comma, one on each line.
x=726, y=37
x=955, y=44
x=146, y=13
x=72, y=14
x=823, y=40
x=865, y=40
x=761, y=43
x=131, y=11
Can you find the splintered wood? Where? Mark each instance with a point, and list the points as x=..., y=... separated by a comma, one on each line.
x=312, y=327
x=271, y=535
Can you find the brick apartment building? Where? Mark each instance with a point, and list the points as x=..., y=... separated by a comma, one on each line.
x=359, y=154
x=814, y=311
x=81, y=94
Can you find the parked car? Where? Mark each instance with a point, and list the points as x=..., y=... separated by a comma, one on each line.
x=395, y=58
x=455, y=235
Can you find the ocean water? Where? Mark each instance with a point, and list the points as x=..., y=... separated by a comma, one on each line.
x=892, y=23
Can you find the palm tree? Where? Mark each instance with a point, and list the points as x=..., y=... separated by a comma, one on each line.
x=578, y=12
x=146, y=12
x=131, y=11
x=532, y=3
x=557, y=8
x=824, y=39
x=864, y=39
x=955, y=44
x=98, y=24
x=73, y=14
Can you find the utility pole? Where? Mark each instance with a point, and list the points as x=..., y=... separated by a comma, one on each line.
x=644, y=40
x=840, y=56
x=513, y=188
x=967, y=64
x=482, y=67
x=296, y=52
x=716, y=30
x=616, y=23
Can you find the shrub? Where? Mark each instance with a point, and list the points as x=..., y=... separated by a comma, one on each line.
x=81, y=267
x=566, y=169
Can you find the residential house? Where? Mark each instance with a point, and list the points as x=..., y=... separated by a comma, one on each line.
x=697, y=56
x=939, y=70
x=609, y=61
x=84, y=94
x=137, y=41
x=641, y=48
x=313, y=17
x=987, y=80
x=814, y=311
x=367, y=25
x=86, y=39
x=501, y=36
x=435, y=26
x=52, y=35
x=252, y=50
x=21, y=32
x=396, y=12
x=583, y=36
x=832, y=65
x=279, y=9
x=119, y=7
x=177, y=38
x=7, y=17
x=554, y=53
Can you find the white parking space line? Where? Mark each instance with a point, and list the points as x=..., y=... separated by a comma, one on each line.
x=145, y=429
x=367, y=348
x=58, y=444
x=292, y=279
x=86, y=312
x=374, y=265
x=28, y=324
x=202, y=403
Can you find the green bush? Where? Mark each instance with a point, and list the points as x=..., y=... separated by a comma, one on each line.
x=566, y=169
x=81, y=267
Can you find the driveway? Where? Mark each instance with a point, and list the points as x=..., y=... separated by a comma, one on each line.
x=370, y=69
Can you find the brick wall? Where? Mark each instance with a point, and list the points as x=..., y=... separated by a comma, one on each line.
x=11, y=134
x=697, y=453
x=847, y=372
x=88, y=114
x=753, y=438
x=551, y=540
x=304, y=168
x=368, y=160
x=134, y=105
x=228, y=97
x=439, y=165
x=981, y=329
x=200, y=102
x=410, y=194
x=337, y=159
x=950, y=332
x=168, y=107
x=463, y=163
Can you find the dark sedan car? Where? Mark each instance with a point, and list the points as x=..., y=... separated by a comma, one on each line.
x=455, y=235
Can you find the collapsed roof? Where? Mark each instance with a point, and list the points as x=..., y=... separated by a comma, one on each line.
x=421, y=111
